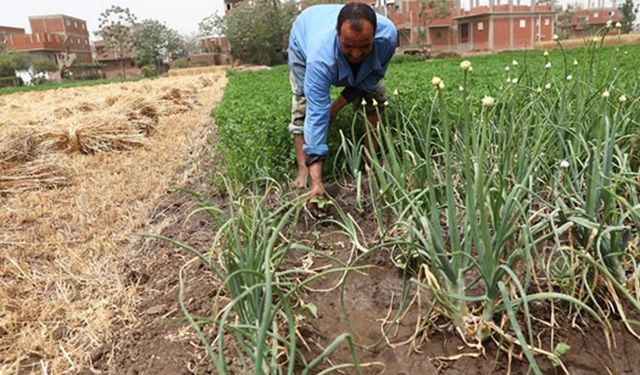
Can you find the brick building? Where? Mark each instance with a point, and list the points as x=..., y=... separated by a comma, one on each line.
x=216, y=44
x=585, y=22
x=217, y=52
x=51, y=36
x=504, y=27
x=112, y=64
x=8, y=30
x=446, y=27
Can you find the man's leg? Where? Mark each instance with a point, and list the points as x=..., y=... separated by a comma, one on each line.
x=317, y=186
x=301, y=176
x=298, y=108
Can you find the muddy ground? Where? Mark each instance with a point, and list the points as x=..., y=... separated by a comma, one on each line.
x=162, y=342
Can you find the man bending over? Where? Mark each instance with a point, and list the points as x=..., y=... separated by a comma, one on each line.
x=341, y=45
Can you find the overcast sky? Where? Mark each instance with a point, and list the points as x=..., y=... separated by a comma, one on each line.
x=181, y=15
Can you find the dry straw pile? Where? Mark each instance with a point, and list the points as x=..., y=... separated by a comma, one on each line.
x=36, y=129
x=198, y=70
x=80, y=172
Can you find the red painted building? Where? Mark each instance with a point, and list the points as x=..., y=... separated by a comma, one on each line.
x=51, y=36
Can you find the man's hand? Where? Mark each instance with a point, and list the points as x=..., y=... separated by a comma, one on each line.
x=336, y=107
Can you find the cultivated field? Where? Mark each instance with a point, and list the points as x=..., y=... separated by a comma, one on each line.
x=494, y=230
x=81, y=170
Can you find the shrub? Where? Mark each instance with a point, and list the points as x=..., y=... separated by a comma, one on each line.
x=180, y=63
x=12, y=62
x=44, y=66
x=9, y=81
x=88, y=65
x=149, y=71
x=6, y=69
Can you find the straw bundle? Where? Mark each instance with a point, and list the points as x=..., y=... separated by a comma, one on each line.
x=86, y=107
x=142, y=114
x=62, y=112
x=18, y=146
x=111, y=100
x=40, y=173
x=91, y=135
x=175, y=101
x=204, y=81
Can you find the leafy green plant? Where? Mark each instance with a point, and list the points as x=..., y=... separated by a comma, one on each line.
x=254, y=238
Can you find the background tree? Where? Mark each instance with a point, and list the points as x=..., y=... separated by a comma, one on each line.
x=257, y=31
x=156, y=44
x=193, y=43
x=564, y=21
x=6, y=69
x=209, y=27
x=116, y=29
x=430, y=10
x=629, y=14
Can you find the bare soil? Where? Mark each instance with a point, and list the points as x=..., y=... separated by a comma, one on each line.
x=163, y=343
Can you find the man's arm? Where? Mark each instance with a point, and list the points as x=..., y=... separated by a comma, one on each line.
x=337, y=106
x=317, y=84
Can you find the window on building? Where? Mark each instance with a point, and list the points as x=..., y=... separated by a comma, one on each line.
x=596, y=15
x=397, y=7
x=78, y=39
x=228, y=6
x=546, y=22
x=480, y=26
x=438, y=35
x=82, y=25
x=75, y=24
x=68, y=23
x=523, y=24
x=86, y=42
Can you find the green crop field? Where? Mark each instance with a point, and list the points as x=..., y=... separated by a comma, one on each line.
x=256, y=105
x=502, y=183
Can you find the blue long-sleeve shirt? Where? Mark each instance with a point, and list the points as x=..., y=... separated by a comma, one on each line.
x=315, y=58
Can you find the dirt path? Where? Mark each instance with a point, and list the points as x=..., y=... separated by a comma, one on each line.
x=161, y=341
